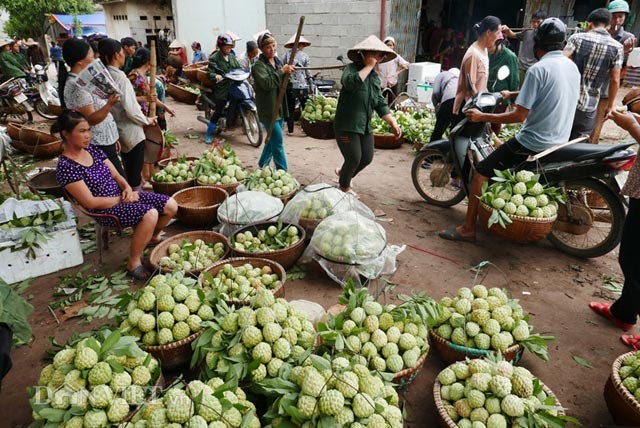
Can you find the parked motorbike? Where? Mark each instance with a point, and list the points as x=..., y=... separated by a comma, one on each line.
x=42, y=95
x=590, y=176
x=240, y=98
x=14, y=104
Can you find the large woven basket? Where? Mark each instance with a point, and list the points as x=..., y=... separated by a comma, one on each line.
x=386, y=141
x=201, y=74
x=171, y=188
x=406, y=376
x=286, y=198
x=174, y=355
x=13, y=129
x=35, y=135
x=287, y=257
x=207, y=236
x=318, y=130
x=229, y=188
x=255, y=262
x=19, y=145
x=450, y=352
x=182, y=95
x=623, y=406
x=446, y=422
x=199, y=205
x=522, y=229
x=46, y=181
x=42, y=151
x=191, y=71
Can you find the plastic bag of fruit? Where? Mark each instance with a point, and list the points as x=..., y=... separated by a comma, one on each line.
x=319, y=201
x=246, y=208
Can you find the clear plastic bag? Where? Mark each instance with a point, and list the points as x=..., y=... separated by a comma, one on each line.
x=318, y=201
x=245, y=208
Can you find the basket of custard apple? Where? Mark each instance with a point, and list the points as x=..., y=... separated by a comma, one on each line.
x=479, y=321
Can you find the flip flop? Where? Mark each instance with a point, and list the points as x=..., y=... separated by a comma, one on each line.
x=139, y=273
x=453, y=234
x=631, y=340
x=604, y=310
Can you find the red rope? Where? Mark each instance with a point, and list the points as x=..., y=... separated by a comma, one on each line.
x=434, y=254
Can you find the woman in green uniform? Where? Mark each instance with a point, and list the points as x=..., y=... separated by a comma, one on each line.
x=10, y=64
x=268, y=73
x=359, y=97
x=221, y=62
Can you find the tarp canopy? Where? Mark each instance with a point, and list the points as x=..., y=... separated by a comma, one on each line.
x=91, y=24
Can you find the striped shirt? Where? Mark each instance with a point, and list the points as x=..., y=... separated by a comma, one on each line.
x=595, y=53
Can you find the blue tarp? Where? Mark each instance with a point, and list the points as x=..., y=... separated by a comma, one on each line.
x=94, y=23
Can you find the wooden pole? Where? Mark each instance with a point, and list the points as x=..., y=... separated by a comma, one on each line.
x=285, y=82
x=152, y=77
x=326, y=67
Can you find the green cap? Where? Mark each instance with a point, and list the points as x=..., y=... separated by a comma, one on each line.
x=617, y=6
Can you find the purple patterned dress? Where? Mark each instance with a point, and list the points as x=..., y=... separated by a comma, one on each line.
x=98, y=179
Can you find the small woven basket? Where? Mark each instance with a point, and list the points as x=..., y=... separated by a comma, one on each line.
x=181, y=95
x=522, y=229
x=622, y=405
x=386, y=141
x=207, y=236
x=171, y=188
x=40, y=150
x=199, y=205
x=255, y=262
x=191, y=71
x=229, y=188
x=202, y=77
x=406, y=376
x=174, y=355
x=286, y=257
x=33, y=135
x=450, y=352
x=318, y=130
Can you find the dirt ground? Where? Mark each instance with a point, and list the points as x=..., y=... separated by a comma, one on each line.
x=553, y=287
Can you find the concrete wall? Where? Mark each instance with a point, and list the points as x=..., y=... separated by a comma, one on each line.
x=134, y=26
x=202, y=21
x=332, y=26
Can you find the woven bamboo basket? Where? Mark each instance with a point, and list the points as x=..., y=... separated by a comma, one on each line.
x=199, y=205
x=157, y=388
x=255, y=262
x=45, y=181
x=522, y=229
x=622, y=405
x=191, y=71
x=450, y=352
x=318, y=130
x=172, y=160
x=201, y=74
x=446, y=422
x=174, y=355
x=229, y=188
x=19, y=145
x=48, y=150
x=171, y=188
x=286, y=257
x=286, y=198
x=181, y=95
x=405, y=377
x=207, y=236
x=386, y=141
x=33, y=135
x=13, y=129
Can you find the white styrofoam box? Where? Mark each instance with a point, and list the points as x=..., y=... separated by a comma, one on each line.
x=424, y=71
x=424, y=93
x=412, y=89
x=634, y=58
x=61, y=251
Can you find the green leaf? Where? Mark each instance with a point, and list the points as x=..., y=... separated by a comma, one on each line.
x=582, y=362
x=537, y=345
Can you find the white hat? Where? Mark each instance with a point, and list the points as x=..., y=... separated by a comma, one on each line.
x=301, y=41
x=5, y=42
x=389, y=39
x=371, y=43
x=176, y=44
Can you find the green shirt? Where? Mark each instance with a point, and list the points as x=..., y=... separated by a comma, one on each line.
x=267, y=81
x=358, y=100
x=508, y=58
x=10, y=65
x=218, y=65
x=128, y=64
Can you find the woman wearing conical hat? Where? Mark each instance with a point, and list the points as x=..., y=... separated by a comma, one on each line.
x=359, y=98
x=299, y=87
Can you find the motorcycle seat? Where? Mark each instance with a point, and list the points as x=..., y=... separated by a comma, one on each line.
x=584, y=151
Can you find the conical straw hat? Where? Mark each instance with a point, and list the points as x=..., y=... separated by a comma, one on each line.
x=371, y=43
x=292, y=40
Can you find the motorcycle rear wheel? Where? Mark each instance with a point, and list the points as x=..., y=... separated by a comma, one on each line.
x=252, y=127
x=434, y=183
x=594, y=227
x=42, y=109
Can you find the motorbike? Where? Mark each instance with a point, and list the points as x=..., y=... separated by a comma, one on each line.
x=14, y=104
x=42, y=95
x=590, y=176
x=240, y=98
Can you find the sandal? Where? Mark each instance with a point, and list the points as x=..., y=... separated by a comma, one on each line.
x=604, y=310
x=631, y=340
x=454, y=234
x=139, y=273
x=152, y=244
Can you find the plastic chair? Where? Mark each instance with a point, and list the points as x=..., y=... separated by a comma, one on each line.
x=102, y=231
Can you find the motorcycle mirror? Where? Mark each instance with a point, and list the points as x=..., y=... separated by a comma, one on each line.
x=503, y=72
x=340, y=58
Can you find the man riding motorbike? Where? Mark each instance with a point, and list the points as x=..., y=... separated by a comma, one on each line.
x=547, y=101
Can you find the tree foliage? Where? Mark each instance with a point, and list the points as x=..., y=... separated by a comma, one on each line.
x=27, y=17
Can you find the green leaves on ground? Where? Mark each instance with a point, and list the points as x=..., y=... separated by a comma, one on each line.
x=582, y=362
